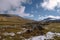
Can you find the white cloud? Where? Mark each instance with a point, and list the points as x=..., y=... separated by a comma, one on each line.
x=50, y=4
x=41, y=17
x=56, y=17
x=48, y=16
x=31, y=15
x=6, y=5
x=19, y=11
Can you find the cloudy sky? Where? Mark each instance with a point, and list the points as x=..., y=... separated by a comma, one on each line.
x=33, y=9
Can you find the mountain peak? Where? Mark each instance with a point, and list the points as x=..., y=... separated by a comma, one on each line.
x=51, y=19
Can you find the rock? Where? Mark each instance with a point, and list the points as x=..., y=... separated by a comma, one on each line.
x=19, y=32
x=11, y=34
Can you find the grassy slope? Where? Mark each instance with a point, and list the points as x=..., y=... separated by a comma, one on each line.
x=54, y=27
x=13, y=21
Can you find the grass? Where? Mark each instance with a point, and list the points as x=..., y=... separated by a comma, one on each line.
x=14, y=24
x=54, y=27
x=57, y=38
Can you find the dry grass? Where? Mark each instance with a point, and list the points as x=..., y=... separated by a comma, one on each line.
x=54, y=27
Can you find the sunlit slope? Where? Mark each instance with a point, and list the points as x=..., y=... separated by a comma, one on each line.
x=9, y=19
x=55, y=27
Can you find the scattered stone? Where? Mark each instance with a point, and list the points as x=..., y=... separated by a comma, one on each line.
x=11, y=34
x=3, y=39
x=0, y=37
x=19, y=32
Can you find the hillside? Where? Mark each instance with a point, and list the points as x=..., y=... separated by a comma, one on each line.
x=13, y=27
x=54, y=27
x=53, y=24
x=9, y=19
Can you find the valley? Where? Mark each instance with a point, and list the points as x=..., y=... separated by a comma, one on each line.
x=18, y=28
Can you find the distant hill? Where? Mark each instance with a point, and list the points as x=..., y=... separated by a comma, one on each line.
x=9, y=19
x=51, y=20
x=51, y=24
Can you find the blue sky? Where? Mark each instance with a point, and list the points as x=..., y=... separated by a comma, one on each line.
x=32, y=9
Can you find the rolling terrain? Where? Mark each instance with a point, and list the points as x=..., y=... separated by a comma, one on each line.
x=13, y=27
x=53, y=24
x=12, y=20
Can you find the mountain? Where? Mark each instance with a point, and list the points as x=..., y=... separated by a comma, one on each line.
x=51, y=24
x=49, y=19
x=18, y=28
x=9, y=19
